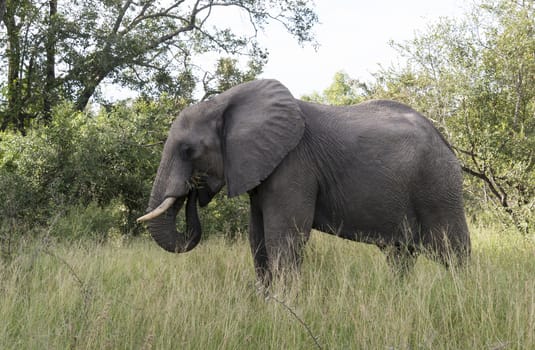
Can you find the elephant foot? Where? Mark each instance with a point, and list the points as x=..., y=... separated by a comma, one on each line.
x=262, y=290
x=401, y=258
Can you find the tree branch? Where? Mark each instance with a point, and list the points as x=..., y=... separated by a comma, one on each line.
x=490, y=179
x=303, y=323
x=142, y=17
x=120, y=17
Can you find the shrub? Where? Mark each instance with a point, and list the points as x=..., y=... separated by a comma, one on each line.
x=226, y=216
x=86, y=222
x=86, y=165
x=80, y=158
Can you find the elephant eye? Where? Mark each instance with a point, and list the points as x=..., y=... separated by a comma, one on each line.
x=185, y=151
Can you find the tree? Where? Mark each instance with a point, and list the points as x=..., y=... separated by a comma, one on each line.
x=343, y=91
x=65, y=50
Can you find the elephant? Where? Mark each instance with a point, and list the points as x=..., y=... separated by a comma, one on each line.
x=377, y=172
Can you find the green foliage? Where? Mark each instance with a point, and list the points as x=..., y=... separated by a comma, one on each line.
x=64, y=160
x=91, y=222
x=343, y=91
x=226, y=216
x=18, y=194
x=79, y=158
x=96, y=167
x=228, y=73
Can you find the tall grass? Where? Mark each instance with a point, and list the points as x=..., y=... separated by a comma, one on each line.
x=133, y=295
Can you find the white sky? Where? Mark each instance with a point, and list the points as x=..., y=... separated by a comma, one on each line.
x=353, y=37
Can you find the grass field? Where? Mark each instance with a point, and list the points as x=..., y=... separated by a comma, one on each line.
x=133, y=295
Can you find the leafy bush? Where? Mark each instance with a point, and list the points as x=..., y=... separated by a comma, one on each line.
x=97, y=168
x=17, y=194
x=80, y=158
x=86, y=222
x=227, y=216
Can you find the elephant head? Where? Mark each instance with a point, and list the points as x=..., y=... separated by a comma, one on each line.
x=236, y=138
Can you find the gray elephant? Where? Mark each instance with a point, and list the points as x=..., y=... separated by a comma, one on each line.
x=377, y=172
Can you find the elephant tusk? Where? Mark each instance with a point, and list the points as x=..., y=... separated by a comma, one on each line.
x=166, y=204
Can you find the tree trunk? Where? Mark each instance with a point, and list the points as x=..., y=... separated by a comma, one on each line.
x=85, y=95
x=2, y=9
x=50, y=79
x=14, y=113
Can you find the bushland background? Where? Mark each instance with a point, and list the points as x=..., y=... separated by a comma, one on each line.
x=76, y=170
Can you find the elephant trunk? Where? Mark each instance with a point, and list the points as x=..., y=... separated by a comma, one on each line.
x=162, y=227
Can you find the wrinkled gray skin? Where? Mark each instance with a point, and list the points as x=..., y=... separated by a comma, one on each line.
x=377, y=172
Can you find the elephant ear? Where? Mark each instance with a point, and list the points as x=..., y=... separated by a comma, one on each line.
x=262, y=123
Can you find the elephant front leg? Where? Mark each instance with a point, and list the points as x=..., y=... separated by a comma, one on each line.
x=287, y=225
x=285, y=203
x=285, y=251
x=258, y=246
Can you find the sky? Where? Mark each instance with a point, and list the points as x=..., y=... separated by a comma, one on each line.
x=353, y=36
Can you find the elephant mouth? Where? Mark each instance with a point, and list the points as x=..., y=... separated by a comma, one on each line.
x=198, y=183
x=161, y=223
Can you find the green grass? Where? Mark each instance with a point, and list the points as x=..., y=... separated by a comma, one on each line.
x=136, y=296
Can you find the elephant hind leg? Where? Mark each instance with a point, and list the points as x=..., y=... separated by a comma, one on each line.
x=448, y=248
x=446, y=238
